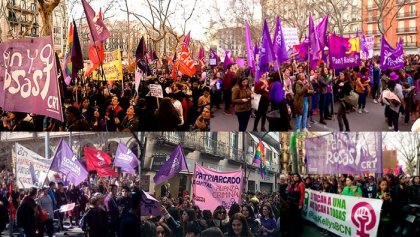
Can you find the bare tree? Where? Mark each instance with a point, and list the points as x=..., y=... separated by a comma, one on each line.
x=160, y=19
x=408, y=148
x=107, y=10
x=45, y=9
x=293, y=13
x=342, y=13
x=387, y=9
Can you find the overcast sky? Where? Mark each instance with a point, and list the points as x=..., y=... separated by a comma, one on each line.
x=197, y=25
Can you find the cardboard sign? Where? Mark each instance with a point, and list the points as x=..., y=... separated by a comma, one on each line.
x=156, y=90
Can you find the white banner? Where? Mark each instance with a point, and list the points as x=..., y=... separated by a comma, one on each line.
x=290, y=37
x=342, y=215
x=369, y=44
x=24, y=159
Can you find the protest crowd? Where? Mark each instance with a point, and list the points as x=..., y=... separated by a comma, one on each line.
x=400, y=195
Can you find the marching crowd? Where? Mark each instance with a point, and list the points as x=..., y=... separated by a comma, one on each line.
x=397, y=192
x=301, y=94
x=111, y=207
x=103, y=106
x=258, y=214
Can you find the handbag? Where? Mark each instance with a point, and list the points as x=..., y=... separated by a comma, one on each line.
x=255, y=103
x=352, y=99
x=43, y=215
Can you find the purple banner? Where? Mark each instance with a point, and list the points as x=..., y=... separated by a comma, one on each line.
x=391, y=58
x=344, y=52
x=172, y=166
x=28, y=77
x=344, y=153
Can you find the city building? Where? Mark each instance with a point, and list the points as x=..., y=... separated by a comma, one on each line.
x=19, y=19
x=402, y=19
x=221, y=151
x=233, y=39
x=60, y=28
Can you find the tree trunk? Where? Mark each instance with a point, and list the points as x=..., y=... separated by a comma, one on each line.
x=45, y=10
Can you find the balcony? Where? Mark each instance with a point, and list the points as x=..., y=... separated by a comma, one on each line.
x=406, y=15
x=372, y=32
x=236, y=155
x=377, y=45
x=12, y=19
x=409, y=30
x=372, y=19
x=410, y=44
x=16, y=7
x=214, y=148
x=372, y=7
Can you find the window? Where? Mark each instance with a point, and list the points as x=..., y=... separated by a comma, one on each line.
x=22, y=4
x=234, y=145
x=370, y=28
x=401, y=25
x=412, y=24
x=33, y=7
x=369, y=3
x=412, y=9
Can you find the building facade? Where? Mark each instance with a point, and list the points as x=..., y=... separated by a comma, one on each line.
x=60, y=28
x=19, y=19
x=402, y=19
x=221, y=151
x=233, y=39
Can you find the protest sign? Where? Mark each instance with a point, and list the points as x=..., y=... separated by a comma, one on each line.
x=390, y=57
x=344, y=153
x=112, y=67
x=28, y=77
x=342, y=215
x=213, y=188
x=25, y=159
x=344, y=52
x=291, y=38
x=156, y=90
x=366, y=47
x=149, y=206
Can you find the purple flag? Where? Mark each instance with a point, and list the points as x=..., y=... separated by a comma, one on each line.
x=28, y=81
x=149, y=206
x=321, y=30
x=228, y=58
x=390, y=57
x=344, y=153
x=125, y=159
x=256, y=50
x=303, y=51
x=214, y=59
x=65, y=162
x=76, y=53
x=249, y=49
x=187, y=39
x=313, y=40
x=265, y=53
x=344, y=52
x=172, y=166
x=98, y=30
x=279, y=45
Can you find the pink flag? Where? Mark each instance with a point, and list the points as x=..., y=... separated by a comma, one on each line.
x=98, y=30
x=187, y=39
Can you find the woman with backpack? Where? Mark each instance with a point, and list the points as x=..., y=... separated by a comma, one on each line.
x=393, y=98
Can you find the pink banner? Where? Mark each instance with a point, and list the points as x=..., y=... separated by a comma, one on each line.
x=213, y=188
x=28, y=77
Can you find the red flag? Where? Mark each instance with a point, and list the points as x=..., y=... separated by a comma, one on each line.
x=186, y=64
x=187, y=39
x=98, y=30
x=11, y=208
x=100, y=161
x=174, y=73
x=93, y=53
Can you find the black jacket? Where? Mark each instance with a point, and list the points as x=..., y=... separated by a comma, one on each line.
x=130, y=226
x=25, y=215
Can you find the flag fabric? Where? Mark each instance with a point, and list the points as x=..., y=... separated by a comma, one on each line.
x=228, y=58
x=214, y=59
x=390, y=57
x=125, y=159
x=95, y=50
x=98, y=30
x=279, y=45
x=172, y=166
x=67, y=72
x=141, y=49
x=265, y=53
x=67, y=207
x=313, y=41
x=149, y=206
x=321, y=30
x=259, y=152
x=256, y=50
x=76, y=53
x=65, y=162
x=187, y=39
x=100, y=161
x=263, y=166
x=249, y=49
x=201, y=57
x=185, y=63
x=11, y=208
x=344, y=52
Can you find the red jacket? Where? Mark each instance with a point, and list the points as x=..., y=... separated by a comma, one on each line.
x=301, y=189
x=228, y=81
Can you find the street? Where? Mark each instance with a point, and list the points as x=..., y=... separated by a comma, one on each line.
x=311, y=230
x=372, y=121
x=70, y=231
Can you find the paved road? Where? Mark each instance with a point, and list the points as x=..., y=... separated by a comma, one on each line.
x=372, y=121
x=75, y=232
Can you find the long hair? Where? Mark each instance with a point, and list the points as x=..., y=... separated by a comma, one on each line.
x=245, y=229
